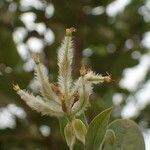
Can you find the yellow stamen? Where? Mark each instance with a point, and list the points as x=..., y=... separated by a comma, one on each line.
x=36, y=59
x=83, y=71
x=69, y=31
x=16, y=87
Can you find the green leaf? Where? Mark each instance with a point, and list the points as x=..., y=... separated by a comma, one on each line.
x=83, y=118
x=97, y=130
x=128, y=136
x=69, y=135
x=62, y=123
x=110, y=138
x=79, y=130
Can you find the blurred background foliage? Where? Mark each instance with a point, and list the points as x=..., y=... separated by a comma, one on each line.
x=112, y=36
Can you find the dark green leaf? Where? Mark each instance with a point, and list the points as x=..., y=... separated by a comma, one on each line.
x=62, y=124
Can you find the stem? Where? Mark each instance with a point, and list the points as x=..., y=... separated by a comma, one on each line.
x=85, y=119
x=71, y=148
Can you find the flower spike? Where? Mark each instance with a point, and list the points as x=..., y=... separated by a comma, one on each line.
x=38, y=104
x=96, y=78
x=65, y=56
x=45, y=86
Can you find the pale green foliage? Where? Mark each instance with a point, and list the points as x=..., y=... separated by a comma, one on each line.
x=128, y=136
x=69, y=135
x=121, y=134
x=79, y=130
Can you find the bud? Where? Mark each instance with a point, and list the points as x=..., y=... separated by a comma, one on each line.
x=36, y=59
x=83, y=71
x=69, y=31
x=69, y=135
x=16, y=87
x=79, y=130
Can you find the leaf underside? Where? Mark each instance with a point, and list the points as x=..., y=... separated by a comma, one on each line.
x=128, y=136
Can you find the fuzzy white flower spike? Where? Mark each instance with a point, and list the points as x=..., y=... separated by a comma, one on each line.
x=96, y=78
x=46, y=88
x=65, y=56
x=38, y=104
x=84, y=87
